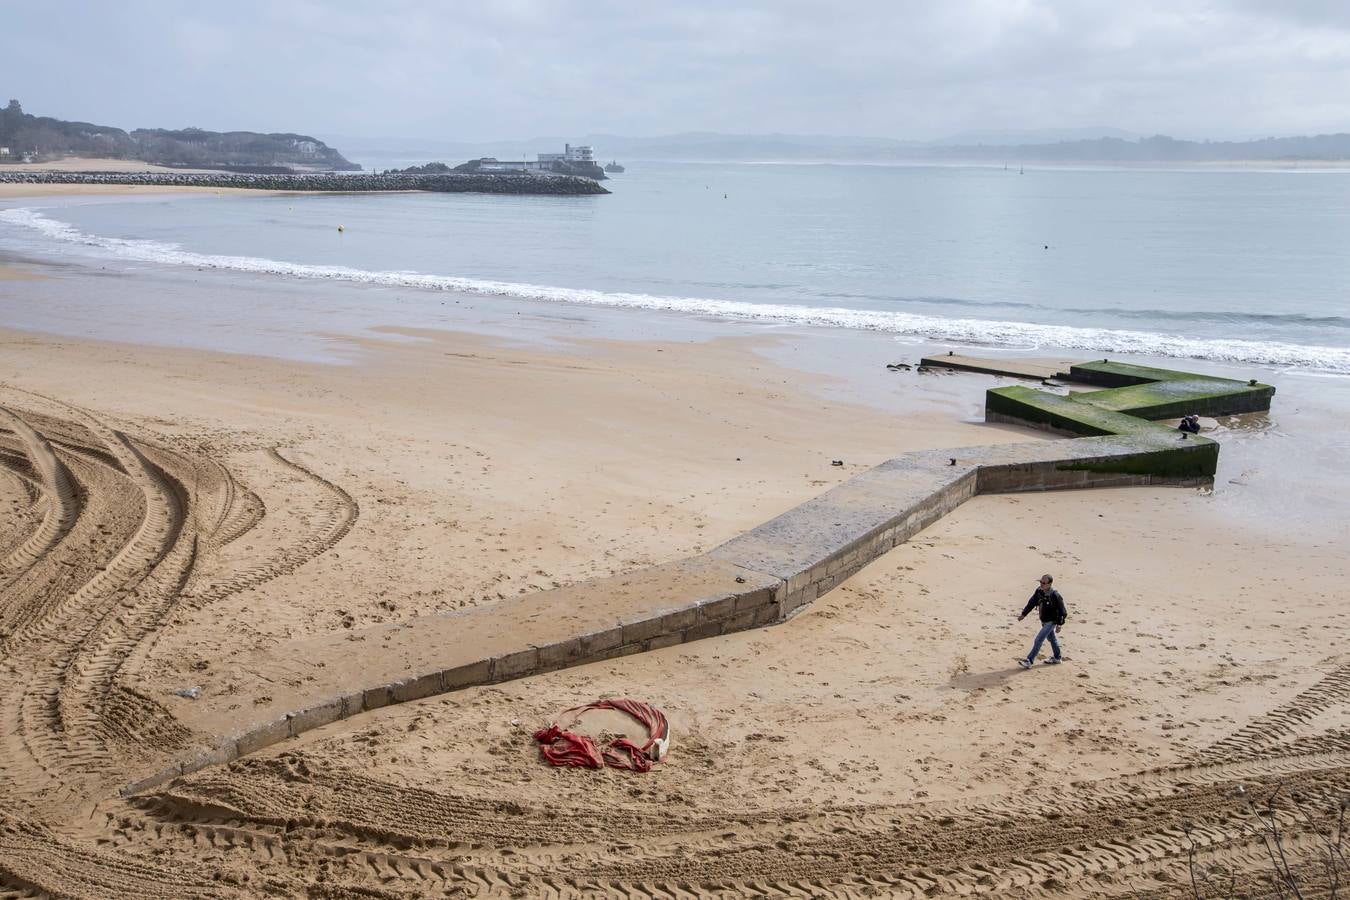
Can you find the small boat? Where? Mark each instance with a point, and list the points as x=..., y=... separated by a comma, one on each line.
x=613, y=167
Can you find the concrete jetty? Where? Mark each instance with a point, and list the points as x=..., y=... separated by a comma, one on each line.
x=1013, y=368
x=759, y=578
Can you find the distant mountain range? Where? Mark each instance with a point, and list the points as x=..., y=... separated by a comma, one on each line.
x=1024, y=137
x=1078, y=145
x=47, y=138
x=41, y=138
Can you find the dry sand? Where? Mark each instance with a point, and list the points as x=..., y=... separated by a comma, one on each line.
x=167, y=511
x=81, y=164
x=17, y=189
x=90, y=164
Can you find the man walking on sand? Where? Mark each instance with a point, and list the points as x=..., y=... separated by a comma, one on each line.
x=1053, y=614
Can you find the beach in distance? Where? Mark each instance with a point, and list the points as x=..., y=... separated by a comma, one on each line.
x=239, y=430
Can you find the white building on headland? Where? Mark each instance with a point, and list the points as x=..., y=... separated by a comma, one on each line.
x=581, y=153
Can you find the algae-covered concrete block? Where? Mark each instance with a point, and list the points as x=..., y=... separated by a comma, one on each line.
x=1139, y=394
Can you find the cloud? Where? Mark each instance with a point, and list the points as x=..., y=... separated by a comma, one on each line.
x=515, y=68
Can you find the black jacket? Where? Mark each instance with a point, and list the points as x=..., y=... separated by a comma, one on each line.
x=1051, y=604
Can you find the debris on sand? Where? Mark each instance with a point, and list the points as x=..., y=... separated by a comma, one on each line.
x=567, y=748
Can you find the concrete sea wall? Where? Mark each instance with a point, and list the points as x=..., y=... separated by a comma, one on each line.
x=454, y=182
x=758, y=578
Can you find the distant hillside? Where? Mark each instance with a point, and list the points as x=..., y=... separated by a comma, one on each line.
x=1086, y=145
x=46, y=138
x=1163, y=149
x=1019, y=137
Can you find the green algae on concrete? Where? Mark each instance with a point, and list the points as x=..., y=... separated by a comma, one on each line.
x=1117, y=374
x=1021, y=405
x=1153, y=393
x=1180, y=397
x=1133, y=398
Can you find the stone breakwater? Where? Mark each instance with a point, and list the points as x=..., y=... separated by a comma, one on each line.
x=455, y=182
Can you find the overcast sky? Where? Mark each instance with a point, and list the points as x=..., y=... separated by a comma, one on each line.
x=520, y=68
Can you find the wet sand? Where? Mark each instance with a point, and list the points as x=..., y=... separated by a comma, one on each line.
x=15, y=273
x=881, y=741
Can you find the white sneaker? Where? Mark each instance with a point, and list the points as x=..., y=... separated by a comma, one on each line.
x=1053, y=661
x=1024, y=663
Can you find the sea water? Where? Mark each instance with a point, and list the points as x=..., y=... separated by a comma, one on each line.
x=1244, y=267
x=1235, y=273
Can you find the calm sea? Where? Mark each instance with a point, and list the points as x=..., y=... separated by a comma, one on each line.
x=1231, y=266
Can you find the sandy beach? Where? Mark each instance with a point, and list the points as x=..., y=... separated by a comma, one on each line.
x=175, y=513
x=882, y=741
x=88, y=164
x=82, y=164
x=778, y=452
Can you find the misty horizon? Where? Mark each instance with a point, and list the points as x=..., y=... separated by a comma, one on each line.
x=1217, y=70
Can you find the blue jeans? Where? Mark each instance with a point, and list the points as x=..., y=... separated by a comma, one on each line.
x=1047, y=631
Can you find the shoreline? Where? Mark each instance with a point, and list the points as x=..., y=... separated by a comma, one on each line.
x=328, y=183
x=479, y=468
x=421, y=291
x=37, y=189
x=342, y=323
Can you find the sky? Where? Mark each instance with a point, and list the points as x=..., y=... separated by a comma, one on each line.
x=515, y=69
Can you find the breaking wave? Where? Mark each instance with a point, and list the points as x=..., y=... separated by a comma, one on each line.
x=1334, y=360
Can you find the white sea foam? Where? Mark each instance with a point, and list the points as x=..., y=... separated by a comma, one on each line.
x=1334, y=360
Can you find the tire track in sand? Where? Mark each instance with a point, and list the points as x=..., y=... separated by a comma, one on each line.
x=286, y=817
x=76, y=642
x=32, y=670
x=34, y=859
x=63, y=506
x=88, y=603
x=1331, y=691
x=292, y=810
x=335, y=512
